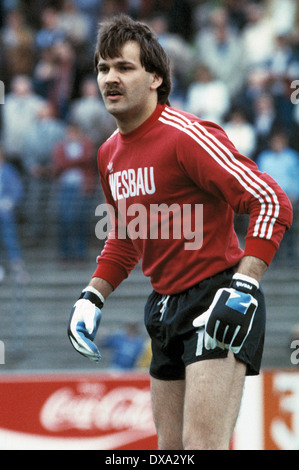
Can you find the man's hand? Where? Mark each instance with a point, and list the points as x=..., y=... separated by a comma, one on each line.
x=84, y=323
x=229, y=319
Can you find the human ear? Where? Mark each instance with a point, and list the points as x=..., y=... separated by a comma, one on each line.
x=156, y=81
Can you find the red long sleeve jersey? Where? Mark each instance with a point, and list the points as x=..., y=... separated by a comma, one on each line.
x=177, y=171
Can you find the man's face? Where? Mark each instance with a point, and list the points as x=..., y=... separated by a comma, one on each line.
x=127, y=88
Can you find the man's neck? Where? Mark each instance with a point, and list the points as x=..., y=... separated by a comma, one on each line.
x=128, y=124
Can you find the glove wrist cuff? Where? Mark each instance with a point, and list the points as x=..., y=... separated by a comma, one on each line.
x=94, y=296
x=245, y=283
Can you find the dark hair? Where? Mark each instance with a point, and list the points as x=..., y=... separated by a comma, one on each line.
x=115, y=32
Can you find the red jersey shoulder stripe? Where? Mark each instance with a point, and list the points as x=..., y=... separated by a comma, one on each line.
x=113, y=134
x=223, y=156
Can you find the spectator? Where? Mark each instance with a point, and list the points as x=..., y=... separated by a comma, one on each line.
x=283, y=15
x=127, y=346
x=207, y=97
x=11, y=193
x=178, y=51
x=20, y=112
x=49, y=33
x=258, y=36
x=45, y=133
x=74, y=168
x=90, y=114
x=65, y=77
x=282, y=163
x=283, y=67
x=92, y=9
x=74, y=24
x=44, y=73
x=217, y=44
x=39, y=143
x=255, y=86
x=18, y=42
x=265, y=120
x=241, y=132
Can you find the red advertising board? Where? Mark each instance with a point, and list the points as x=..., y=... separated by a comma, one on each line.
x=113, y=412
x=281, y=410
x=269, y=417
x=76, y=412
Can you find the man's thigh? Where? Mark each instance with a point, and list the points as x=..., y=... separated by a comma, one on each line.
x=212, y=401
x=168, y=406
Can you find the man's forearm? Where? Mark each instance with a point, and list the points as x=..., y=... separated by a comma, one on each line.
x=252, y=267
x=101, y=286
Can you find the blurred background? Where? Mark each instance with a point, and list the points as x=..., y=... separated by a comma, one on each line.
x=235, y=62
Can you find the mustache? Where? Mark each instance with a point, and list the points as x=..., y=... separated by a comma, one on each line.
x=113, y=89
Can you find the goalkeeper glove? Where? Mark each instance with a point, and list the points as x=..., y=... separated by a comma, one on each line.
x=84, y=323
x=229, y=319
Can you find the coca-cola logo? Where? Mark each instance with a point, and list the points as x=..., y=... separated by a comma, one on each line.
x=91, y=407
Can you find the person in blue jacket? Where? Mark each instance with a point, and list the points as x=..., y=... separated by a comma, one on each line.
x=11, y=193
x=126, y=346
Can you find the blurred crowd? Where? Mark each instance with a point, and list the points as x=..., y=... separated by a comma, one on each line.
x=235, y=62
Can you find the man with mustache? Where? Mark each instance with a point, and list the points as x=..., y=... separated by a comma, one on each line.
x=206, y=314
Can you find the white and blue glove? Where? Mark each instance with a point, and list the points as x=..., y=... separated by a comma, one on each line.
x=229, y=319
x=84, y=323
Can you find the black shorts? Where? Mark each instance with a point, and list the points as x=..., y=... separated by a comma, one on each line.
x=176, y=343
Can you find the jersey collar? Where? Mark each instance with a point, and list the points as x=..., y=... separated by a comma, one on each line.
x=144, y=127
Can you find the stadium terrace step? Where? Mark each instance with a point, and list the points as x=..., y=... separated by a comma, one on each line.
x=34, y=317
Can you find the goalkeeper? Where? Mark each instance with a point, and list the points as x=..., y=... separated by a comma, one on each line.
x=206, y=314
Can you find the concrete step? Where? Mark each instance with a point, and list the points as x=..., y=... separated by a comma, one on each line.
x=34, y=317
